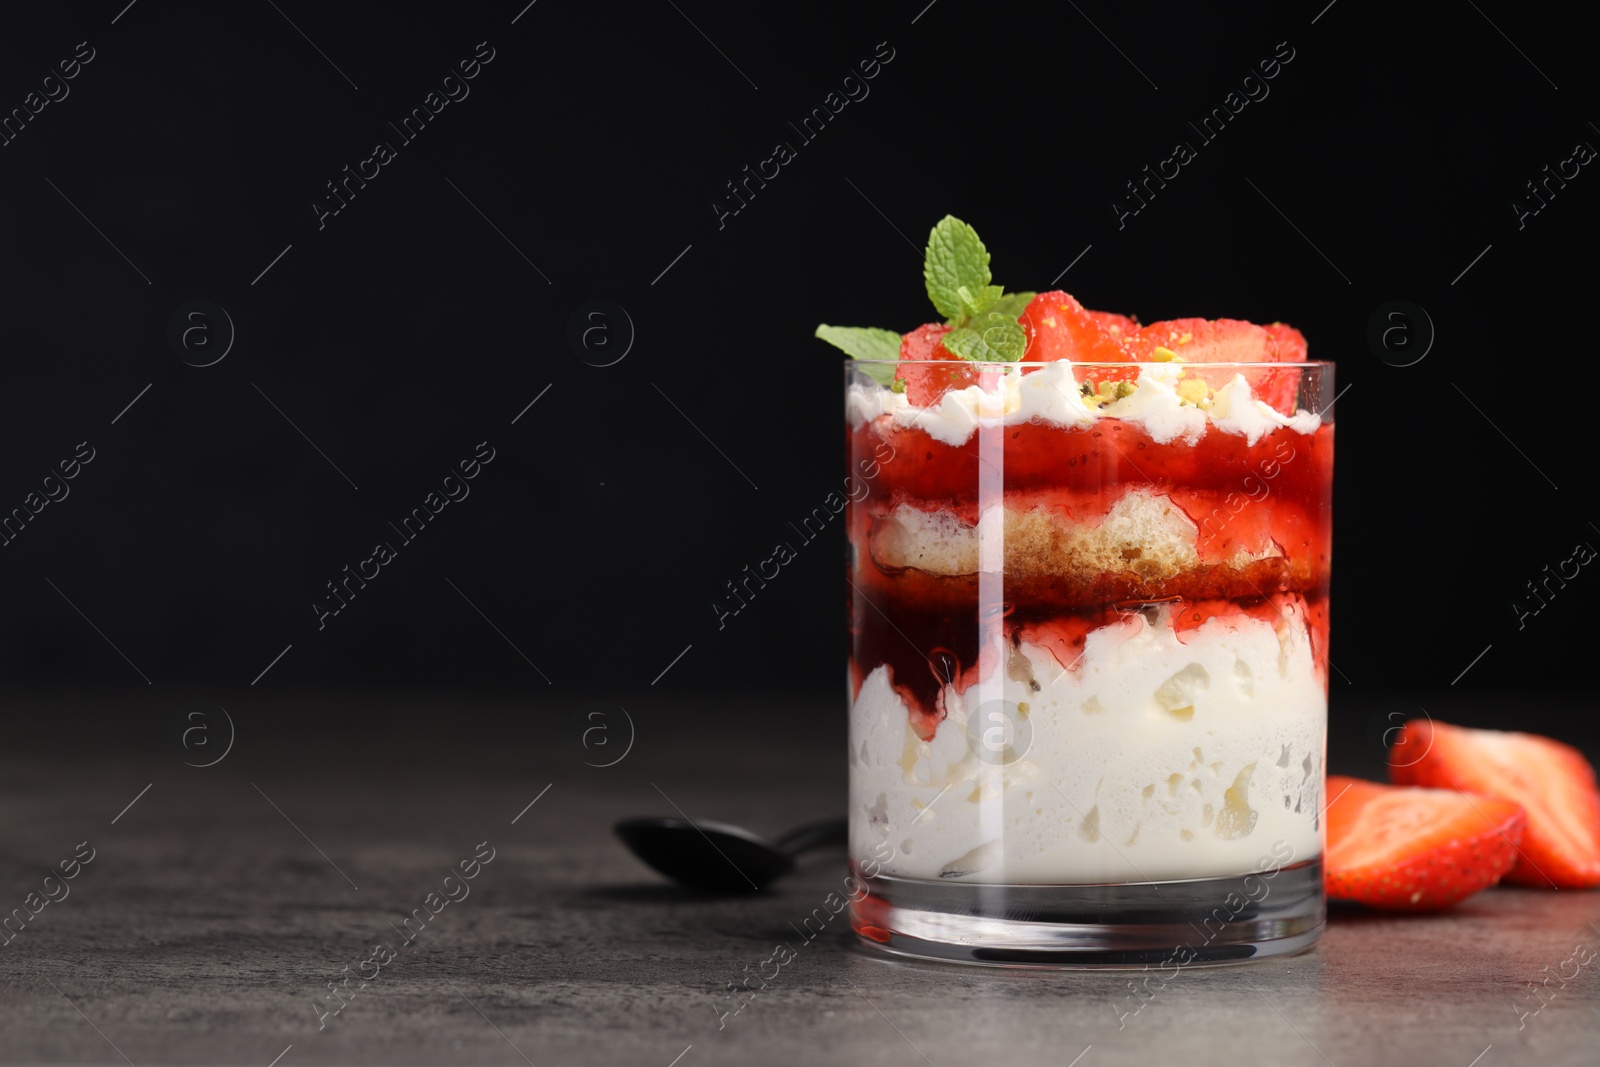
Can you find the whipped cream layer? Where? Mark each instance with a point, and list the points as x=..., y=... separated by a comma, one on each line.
x=1052, y=395
x=1155, y=758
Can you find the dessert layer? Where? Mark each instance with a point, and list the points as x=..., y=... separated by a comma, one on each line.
x=1086, y=517
x=1170, y=401
x=1219, y=470
x=1143, y=534
x=1165, y=752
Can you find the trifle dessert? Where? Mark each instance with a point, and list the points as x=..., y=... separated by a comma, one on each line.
x=1089, y=626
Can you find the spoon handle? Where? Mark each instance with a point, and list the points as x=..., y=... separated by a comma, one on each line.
x=814, y=835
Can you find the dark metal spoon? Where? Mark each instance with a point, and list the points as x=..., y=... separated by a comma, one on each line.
x=718, y=857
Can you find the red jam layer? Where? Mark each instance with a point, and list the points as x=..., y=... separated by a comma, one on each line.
x=926, y=651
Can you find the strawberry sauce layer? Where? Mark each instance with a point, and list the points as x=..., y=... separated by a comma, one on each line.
x=1092, y=460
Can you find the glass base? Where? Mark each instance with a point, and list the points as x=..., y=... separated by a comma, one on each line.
x=1204, y=921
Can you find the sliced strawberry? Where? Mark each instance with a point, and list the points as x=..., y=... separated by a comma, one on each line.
x=1550, y=780
x=1119, y=326
x=1222, y=341
x=1411, y=849
x=924, y=343
x=1285, y=343
x=925, y=385
x=1231, y=341
x=1206, y=341
x=1059, y=327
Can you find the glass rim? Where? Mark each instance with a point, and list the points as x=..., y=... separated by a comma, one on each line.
x=1308, y=363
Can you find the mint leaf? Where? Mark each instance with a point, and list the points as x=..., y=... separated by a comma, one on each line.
x=996, y=338
x=1004, y=336
x=966, y=343
x=973, y=304
x=865, y=342
x=956, y=260
x=1012, y=304
x=862, y=342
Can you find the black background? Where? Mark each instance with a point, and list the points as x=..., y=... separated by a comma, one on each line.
x=408, y=329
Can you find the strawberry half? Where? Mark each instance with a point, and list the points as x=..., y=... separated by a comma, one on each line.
x=925, y=385
x=1410, y=849
x=1058, y=327
x=1285, y=344
x=1120, y=327
x=1206, y=341
x=1552, y=782
x=1231, y=341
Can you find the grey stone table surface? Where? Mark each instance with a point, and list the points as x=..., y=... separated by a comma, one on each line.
x=219, y=906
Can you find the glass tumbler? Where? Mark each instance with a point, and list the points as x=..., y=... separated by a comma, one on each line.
x=1088, y=659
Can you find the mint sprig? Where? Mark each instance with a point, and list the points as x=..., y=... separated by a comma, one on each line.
x=982, y=316
x=865, y=342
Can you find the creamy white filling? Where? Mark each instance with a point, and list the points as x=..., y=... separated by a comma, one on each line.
x=1051, y=395
x=1155, y=405
x=1154, y=759
x=1235, y=410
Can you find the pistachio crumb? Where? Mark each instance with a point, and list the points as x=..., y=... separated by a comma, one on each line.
x=1194, y=391
x=1163, y=354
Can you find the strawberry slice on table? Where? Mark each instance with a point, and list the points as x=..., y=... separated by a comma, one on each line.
x=1552, y=782
x=925, y=385
x=1411, y=849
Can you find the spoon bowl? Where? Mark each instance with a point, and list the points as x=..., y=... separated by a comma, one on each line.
x=719, y=857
